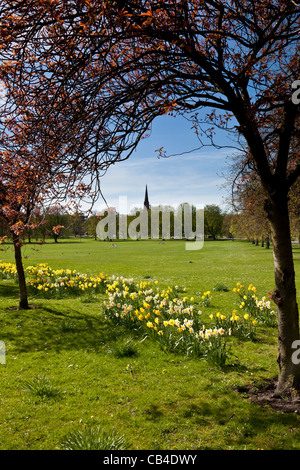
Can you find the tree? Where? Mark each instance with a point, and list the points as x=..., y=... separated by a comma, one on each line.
x=77, y=223
x=57, y=222
x=247, y=199
x=25, y=181
x=106, y=70
x=90, y=225
x=213, y=220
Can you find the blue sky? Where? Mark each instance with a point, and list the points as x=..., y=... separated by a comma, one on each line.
x=194, y=177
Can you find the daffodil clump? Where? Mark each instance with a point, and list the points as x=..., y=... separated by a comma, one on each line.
x=141, y=302
x=42, y=279
x=241, y=325
x=7, y=270
x=260, y=309
x=48, y=282
x=174, y=321
x=206, y=298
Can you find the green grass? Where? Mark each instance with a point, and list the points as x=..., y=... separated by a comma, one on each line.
x=68, y=372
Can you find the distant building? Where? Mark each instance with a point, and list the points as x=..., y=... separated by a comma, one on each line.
x=146, y=201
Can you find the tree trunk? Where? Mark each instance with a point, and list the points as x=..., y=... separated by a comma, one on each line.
x=284, y=294
x=23, y=299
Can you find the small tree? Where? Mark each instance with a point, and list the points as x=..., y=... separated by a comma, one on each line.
x=23, y=183
x=90, y=225
x=213, y=221
x=57, y=221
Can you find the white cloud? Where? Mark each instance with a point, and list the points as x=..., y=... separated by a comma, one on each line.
x=189, y=178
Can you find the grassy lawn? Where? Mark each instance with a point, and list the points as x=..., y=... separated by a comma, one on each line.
x=68, y=369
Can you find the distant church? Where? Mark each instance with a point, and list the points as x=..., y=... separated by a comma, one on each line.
x=146, y=201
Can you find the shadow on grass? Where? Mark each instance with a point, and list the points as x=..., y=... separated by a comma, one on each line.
x=241, y=423
x=9, y=290
x=54, y=329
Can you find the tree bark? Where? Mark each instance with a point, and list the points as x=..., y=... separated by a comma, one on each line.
x=23, y=298
x=284, y=294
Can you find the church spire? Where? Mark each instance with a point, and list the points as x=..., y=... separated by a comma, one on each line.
x=146, y=201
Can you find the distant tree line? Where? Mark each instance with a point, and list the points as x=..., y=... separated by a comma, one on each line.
x=213, y=221
x=248, y=222
x=248, y=218
x=55, y=223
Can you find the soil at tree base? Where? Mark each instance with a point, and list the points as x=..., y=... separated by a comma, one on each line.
x=264, y=395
